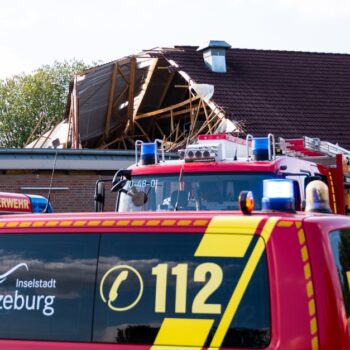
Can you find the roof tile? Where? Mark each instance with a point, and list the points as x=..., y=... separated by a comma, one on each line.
x=290, y=94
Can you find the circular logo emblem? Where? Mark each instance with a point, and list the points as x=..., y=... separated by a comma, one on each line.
x=124, y=286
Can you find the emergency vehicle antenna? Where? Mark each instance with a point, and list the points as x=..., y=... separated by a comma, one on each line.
x=55, y=144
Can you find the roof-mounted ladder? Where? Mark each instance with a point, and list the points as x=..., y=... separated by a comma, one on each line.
x=324, y=147
x=311, y=147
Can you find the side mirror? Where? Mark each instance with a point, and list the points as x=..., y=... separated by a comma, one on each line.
x=120, y=178
x=119, y=185
x=99, y=196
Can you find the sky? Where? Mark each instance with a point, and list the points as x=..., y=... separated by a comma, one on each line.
x=38, y=32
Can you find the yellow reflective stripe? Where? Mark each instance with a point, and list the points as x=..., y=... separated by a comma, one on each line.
x=312, y=307
x=221, y=245
x=242, y=284
x=309, y=289
x=313, y=326
x=25, y=224
x=153, y=222
x=177, y=347
x=123, y=223
x=108, y=223
x=184, y=222
x=38, y=223
x=65, y=223
x=301, y=236
x=333, y=193
x=51, y=223
x=12, y=224
x=314, y=343
x=137, y=222
x=348, y=278
x=285, y=223
x=304, y=254
x=307, y=271
x=241, y=225
x=200, y=223
x=168, y=222
x=183, y=331
x=79, y=223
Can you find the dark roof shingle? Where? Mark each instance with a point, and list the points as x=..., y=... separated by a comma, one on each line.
x=290, y=94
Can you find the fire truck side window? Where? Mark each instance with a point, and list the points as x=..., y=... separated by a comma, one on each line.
x=47, y=284
x=144, y=279
x=340, y=243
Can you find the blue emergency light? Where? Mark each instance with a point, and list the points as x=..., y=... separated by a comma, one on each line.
x=278, y=195
x=260, y=146
x=149, y=153
x=40, y=204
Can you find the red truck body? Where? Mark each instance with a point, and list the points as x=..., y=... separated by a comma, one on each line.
x=307, y=295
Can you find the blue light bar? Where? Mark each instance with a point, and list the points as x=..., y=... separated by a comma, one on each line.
x=149, y=153
x=40, y=204
x=260, y=146
x=278, y=195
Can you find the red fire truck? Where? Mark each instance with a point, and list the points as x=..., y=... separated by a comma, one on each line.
x=211, y=174
x=274, y=279
x=16, y=203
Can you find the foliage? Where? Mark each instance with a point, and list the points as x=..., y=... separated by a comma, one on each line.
x=25, y=98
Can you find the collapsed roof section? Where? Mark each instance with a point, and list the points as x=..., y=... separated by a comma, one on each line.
x=164, y=93
x=145, y=96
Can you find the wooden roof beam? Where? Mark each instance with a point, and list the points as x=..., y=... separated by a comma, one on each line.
x=166, y=89
x=110, y=100
x=131, y=93
x=167, y=109
x=146, y=83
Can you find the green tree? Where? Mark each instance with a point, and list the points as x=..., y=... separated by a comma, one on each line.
x=25, y=98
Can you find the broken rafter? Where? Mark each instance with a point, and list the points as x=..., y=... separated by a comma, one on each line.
x=110, y=100
x=42, y=115
x=131, y=93
x=143, y=131
x=106, y=145
x=120, y=95
x=145, y=84
x=123, y=75
x=193, y=123
x=175, y=114
x=177, y=143
x=47, y=129
x=166, y=88
x=75, y=119
x=69, y=126
x=167, y=109
x=207, y=117
x=192, y=137
x=159, y=128
x=211, y=118
x=172, y=120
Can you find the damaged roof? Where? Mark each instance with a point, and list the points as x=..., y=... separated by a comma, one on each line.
x=171, y=94
x=289, y=94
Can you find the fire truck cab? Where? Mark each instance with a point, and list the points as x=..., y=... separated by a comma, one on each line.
x=274, y=279
x=210, y=174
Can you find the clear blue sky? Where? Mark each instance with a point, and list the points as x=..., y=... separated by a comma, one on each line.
x=37, y=32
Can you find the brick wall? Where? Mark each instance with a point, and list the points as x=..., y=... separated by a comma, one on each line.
x=79, y=197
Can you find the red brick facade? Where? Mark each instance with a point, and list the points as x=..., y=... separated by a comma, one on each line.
x=75, y=191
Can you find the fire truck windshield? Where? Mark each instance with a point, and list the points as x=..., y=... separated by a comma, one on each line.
x=192, y=191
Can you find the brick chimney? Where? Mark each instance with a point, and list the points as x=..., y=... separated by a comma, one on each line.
x=214, y=55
